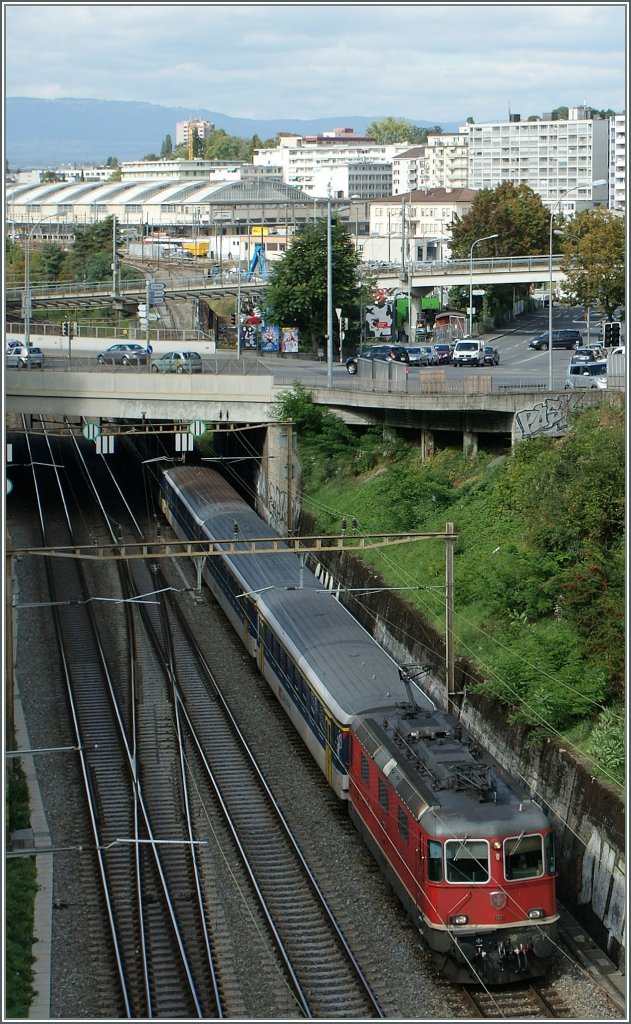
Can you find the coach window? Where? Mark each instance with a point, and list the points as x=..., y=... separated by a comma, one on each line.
x=402, y=822
x=383, y=795
x=434, y=861
x=467, y=860
x=523, y=857
x=363, y=767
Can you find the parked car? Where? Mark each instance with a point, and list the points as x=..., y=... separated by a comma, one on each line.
x=468, y=352
x=123, y=354
x=443, y=353
x=422, y=355
x=177, y=362
x=491, y=356
x=589, y=354
x=587, y=375
x=12, y=343
x=387, y=353
x=20, y=356
x=560, y=339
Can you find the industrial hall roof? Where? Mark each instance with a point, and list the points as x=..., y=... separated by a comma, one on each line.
x=63, y=196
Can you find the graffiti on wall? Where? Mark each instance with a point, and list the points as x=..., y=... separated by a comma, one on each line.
x=603, y=886
x=547, y=417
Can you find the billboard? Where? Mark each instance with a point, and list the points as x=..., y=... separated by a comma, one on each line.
x=379, y=314
x=289, y=339
x=270, y=338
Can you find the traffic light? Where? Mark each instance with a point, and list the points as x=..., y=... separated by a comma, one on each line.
x=612, y=334
x=65, y=327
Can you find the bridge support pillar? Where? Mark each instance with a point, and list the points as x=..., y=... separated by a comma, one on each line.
x=428, y=447
x=469, y=443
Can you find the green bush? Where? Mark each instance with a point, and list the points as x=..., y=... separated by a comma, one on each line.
x=607, y=744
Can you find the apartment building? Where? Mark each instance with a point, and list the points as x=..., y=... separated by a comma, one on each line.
x=554, y=157
x=617, y=163
x=203, y=129
x=414, y=227
x=409, y=170
x=309, y=162
x=447, y=160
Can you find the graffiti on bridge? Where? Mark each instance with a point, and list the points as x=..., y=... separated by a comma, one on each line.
x=547, y=417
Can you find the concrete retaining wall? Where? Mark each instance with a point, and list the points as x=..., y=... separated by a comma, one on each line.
x=587, y=814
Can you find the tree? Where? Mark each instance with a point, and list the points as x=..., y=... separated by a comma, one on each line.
x=297, y=293
x=166, y=149
x=594, y=259
x=393, y=129
x=514, y=212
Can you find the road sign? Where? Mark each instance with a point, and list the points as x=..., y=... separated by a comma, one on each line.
x=184, y=442
x=104, y=444
x=153, y=316
x=478, y=291
x=91, y=431
x=197, y=427
x=142, y=308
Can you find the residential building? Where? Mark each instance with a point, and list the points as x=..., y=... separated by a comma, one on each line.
x=301, y=158
x=447, y=160
x=415, y=226
x=203, y=129
x=409, y=170
x=617, y=163
x=552, y=156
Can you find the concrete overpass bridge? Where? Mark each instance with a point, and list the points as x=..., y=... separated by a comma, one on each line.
x=423, y=276
x=472, y=410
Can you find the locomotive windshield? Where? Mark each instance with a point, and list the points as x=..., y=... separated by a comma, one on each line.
x=523, y=857
x=467, y=860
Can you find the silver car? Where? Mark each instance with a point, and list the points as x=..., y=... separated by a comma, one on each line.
x=177, y=362
x=587, y=375
x=123, y=354
x=21, y=356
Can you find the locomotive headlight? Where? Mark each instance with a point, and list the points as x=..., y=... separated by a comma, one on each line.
x=536, y=913
x=459, y=919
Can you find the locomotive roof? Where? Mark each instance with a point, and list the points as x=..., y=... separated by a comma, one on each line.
x=443, y=777
x=338, y=656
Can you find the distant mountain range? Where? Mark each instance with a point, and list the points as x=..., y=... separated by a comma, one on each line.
x=46, y=133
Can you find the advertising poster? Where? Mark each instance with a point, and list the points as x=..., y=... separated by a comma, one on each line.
x=289, y=339
x=249, y=334
x=270, y=338
x=379, y=314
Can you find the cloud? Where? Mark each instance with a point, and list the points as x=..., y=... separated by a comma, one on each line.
x=439, y=62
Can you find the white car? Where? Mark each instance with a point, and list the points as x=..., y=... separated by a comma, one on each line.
x=20, y=356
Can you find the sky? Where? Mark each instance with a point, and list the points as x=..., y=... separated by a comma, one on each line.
x=439, y=63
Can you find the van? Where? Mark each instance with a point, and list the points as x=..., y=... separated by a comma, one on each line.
x=587, y=375
x=468, y=352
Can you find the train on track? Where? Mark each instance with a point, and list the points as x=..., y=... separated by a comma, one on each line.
x=468, y=852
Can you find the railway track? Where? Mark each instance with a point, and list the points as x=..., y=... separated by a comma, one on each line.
x=143, y=866
x=531, y=1001
x=169, y=759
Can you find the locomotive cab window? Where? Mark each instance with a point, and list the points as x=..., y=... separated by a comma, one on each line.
x=550, y=858
x=434, y=861
x=467, y=860
x=523, y=857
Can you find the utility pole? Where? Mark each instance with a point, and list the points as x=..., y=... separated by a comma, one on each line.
x=449, y=617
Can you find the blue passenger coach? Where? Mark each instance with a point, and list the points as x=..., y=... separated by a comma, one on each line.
x=321, y=664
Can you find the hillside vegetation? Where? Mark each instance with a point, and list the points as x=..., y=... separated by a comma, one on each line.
x=539, y=563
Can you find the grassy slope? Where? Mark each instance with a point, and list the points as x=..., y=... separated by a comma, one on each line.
x=539, y=610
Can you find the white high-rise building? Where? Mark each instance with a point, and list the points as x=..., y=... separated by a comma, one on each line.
x=305, y=160
x=617, y=162
x=203, y=129
x=553, y=157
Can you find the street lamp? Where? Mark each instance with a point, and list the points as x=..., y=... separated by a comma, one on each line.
x=329, y=296
x=553, y=208
x=27, y=277
x=487, y=238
